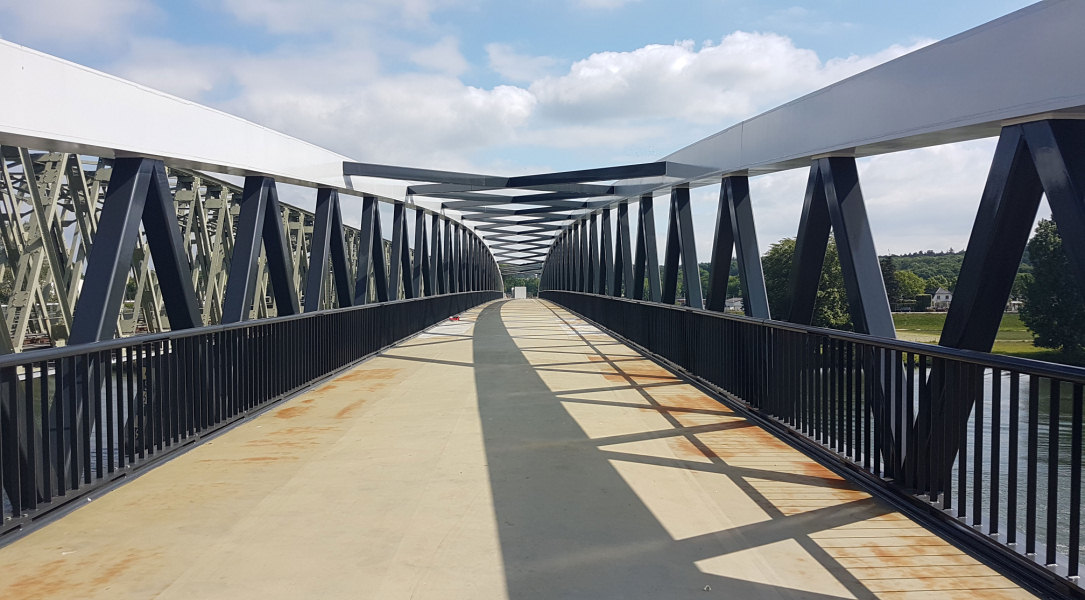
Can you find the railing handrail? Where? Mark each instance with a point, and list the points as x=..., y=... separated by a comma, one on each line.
x=48, y=354
x=999, y=361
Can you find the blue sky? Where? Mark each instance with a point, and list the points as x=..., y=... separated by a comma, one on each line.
x=515, y=87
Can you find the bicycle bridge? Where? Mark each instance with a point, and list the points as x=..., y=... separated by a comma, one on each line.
x=207, y=392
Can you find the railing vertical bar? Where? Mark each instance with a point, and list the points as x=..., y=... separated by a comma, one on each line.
x=1011, y=472
x=47, y=435
x=908, y=428
x=111, y=413
x=924, y=432
x=99, y=418
x=961, y=424
x=1030, y=465
x=141, y=401
x=29, y=430
x=1051, y=536
x=1075, y=484
x=995, y=450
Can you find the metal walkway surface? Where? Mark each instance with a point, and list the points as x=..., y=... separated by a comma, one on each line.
x=516, y=453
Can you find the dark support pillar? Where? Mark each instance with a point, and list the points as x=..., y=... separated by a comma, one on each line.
x=138, y=189
x=423, y=280
x=370, y=254
x=457, y=259
x=446, y=255
x=810, y=245
x=647, y=261
x=672, y=254
x=854, y=243
x=574, y=256
x=606, y=259
x=420, y=257
x=681, y=246
x=435, y=257
x=1003, y=223
x=409, y=289
x=593, y=255
x=735, y=227
x=833, y=197
x=585, y=257
x=461, y=251
x=623, y=260
x=722, y=245
x=260, y=220
x=1030, y=159
x=327, y=243
x=395, y=274
x=755, y=299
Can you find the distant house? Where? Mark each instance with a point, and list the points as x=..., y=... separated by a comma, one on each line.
x=941, y=299
x=733, y=305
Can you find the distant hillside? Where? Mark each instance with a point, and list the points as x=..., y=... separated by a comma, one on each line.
x=929, y=263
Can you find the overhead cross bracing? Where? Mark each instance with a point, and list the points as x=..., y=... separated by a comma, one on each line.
x=519, y=217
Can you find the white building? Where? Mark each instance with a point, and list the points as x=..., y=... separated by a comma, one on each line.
x=941, y=299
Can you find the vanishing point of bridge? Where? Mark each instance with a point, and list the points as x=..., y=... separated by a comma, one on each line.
x=208, y=392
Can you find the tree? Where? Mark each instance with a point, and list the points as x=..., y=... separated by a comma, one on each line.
x=889, y=278
x=831, y=305
x=1020, y=284
x=531, y=283
x=734, y=287
x=940, y=281
x=1053, y=308
x=910, y=285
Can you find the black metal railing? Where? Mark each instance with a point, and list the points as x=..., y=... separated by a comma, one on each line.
x=75, y=419
x=991, y=444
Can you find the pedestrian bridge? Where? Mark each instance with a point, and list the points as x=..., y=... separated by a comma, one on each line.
x=206, y=391
x=518, y=452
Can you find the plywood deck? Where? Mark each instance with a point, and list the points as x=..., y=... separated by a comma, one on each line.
x=516, y=453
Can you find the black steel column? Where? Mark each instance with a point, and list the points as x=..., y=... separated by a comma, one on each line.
x=138, y=189
x=681, y=246
x=435, y=257
x=260, y=220
x=421, y=256
x=606, y=260
x=623, y=260
x=593, y=255
x=834, y=199
x=370, y=254
x=755, y=300
x=447, y=256
x=327, y=240
x=395, y=274
x=735, y=229
x=855, y=245
x=647, y=261
x=672, y=253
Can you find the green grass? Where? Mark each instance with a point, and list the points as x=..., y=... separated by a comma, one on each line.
x=1013, y=339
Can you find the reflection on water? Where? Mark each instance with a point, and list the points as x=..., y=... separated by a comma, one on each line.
x=1062, y=431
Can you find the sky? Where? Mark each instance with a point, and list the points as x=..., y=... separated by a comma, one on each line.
x=530, y=86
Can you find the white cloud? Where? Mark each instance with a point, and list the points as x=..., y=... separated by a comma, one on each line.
x=609, y=108
x=71, y=23
x=745, y=73
x=444, y=56
x=505, y=61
